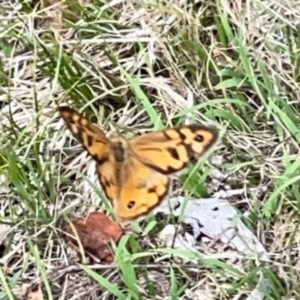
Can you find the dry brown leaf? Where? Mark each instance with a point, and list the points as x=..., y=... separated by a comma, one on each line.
x=96, y=232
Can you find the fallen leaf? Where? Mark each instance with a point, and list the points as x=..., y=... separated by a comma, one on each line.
x=95, y=231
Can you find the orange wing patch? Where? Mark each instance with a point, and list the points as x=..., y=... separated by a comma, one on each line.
x=91, y=137
x=170, y=150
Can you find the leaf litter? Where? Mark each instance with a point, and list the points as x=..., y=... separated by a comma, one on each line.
x=220, y=221
x=95, y=232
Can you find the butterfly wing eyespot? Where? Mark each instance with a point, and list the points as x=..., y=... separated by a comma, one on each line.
x=130, y=204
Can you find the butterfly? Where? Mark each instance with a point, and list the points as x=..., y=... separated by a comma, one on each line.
x=135, y=174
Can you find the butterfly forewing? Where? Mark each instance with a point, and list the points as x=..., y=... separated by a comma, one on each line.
x=170, y=150
x=91, y=137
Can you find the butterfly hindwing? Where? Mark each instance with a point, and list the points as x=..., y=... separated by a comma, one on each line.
x=143, y=189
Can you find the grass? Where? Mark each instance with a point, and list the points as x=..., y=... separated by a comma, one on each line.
x=134, y=67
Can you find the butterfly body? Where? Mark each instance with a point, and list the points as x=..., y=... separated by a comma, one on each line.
x=134, y=174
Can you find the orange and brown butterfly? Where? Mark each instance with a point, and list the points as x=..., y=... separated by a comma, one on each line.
x=134, y=174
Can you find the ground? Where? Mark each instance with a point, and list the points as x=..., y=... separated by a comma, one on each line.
x=133, y=67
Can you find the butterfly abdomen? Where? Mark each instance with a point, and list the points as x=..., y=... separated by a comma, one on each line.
x=118, y=151
x=119, y=156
